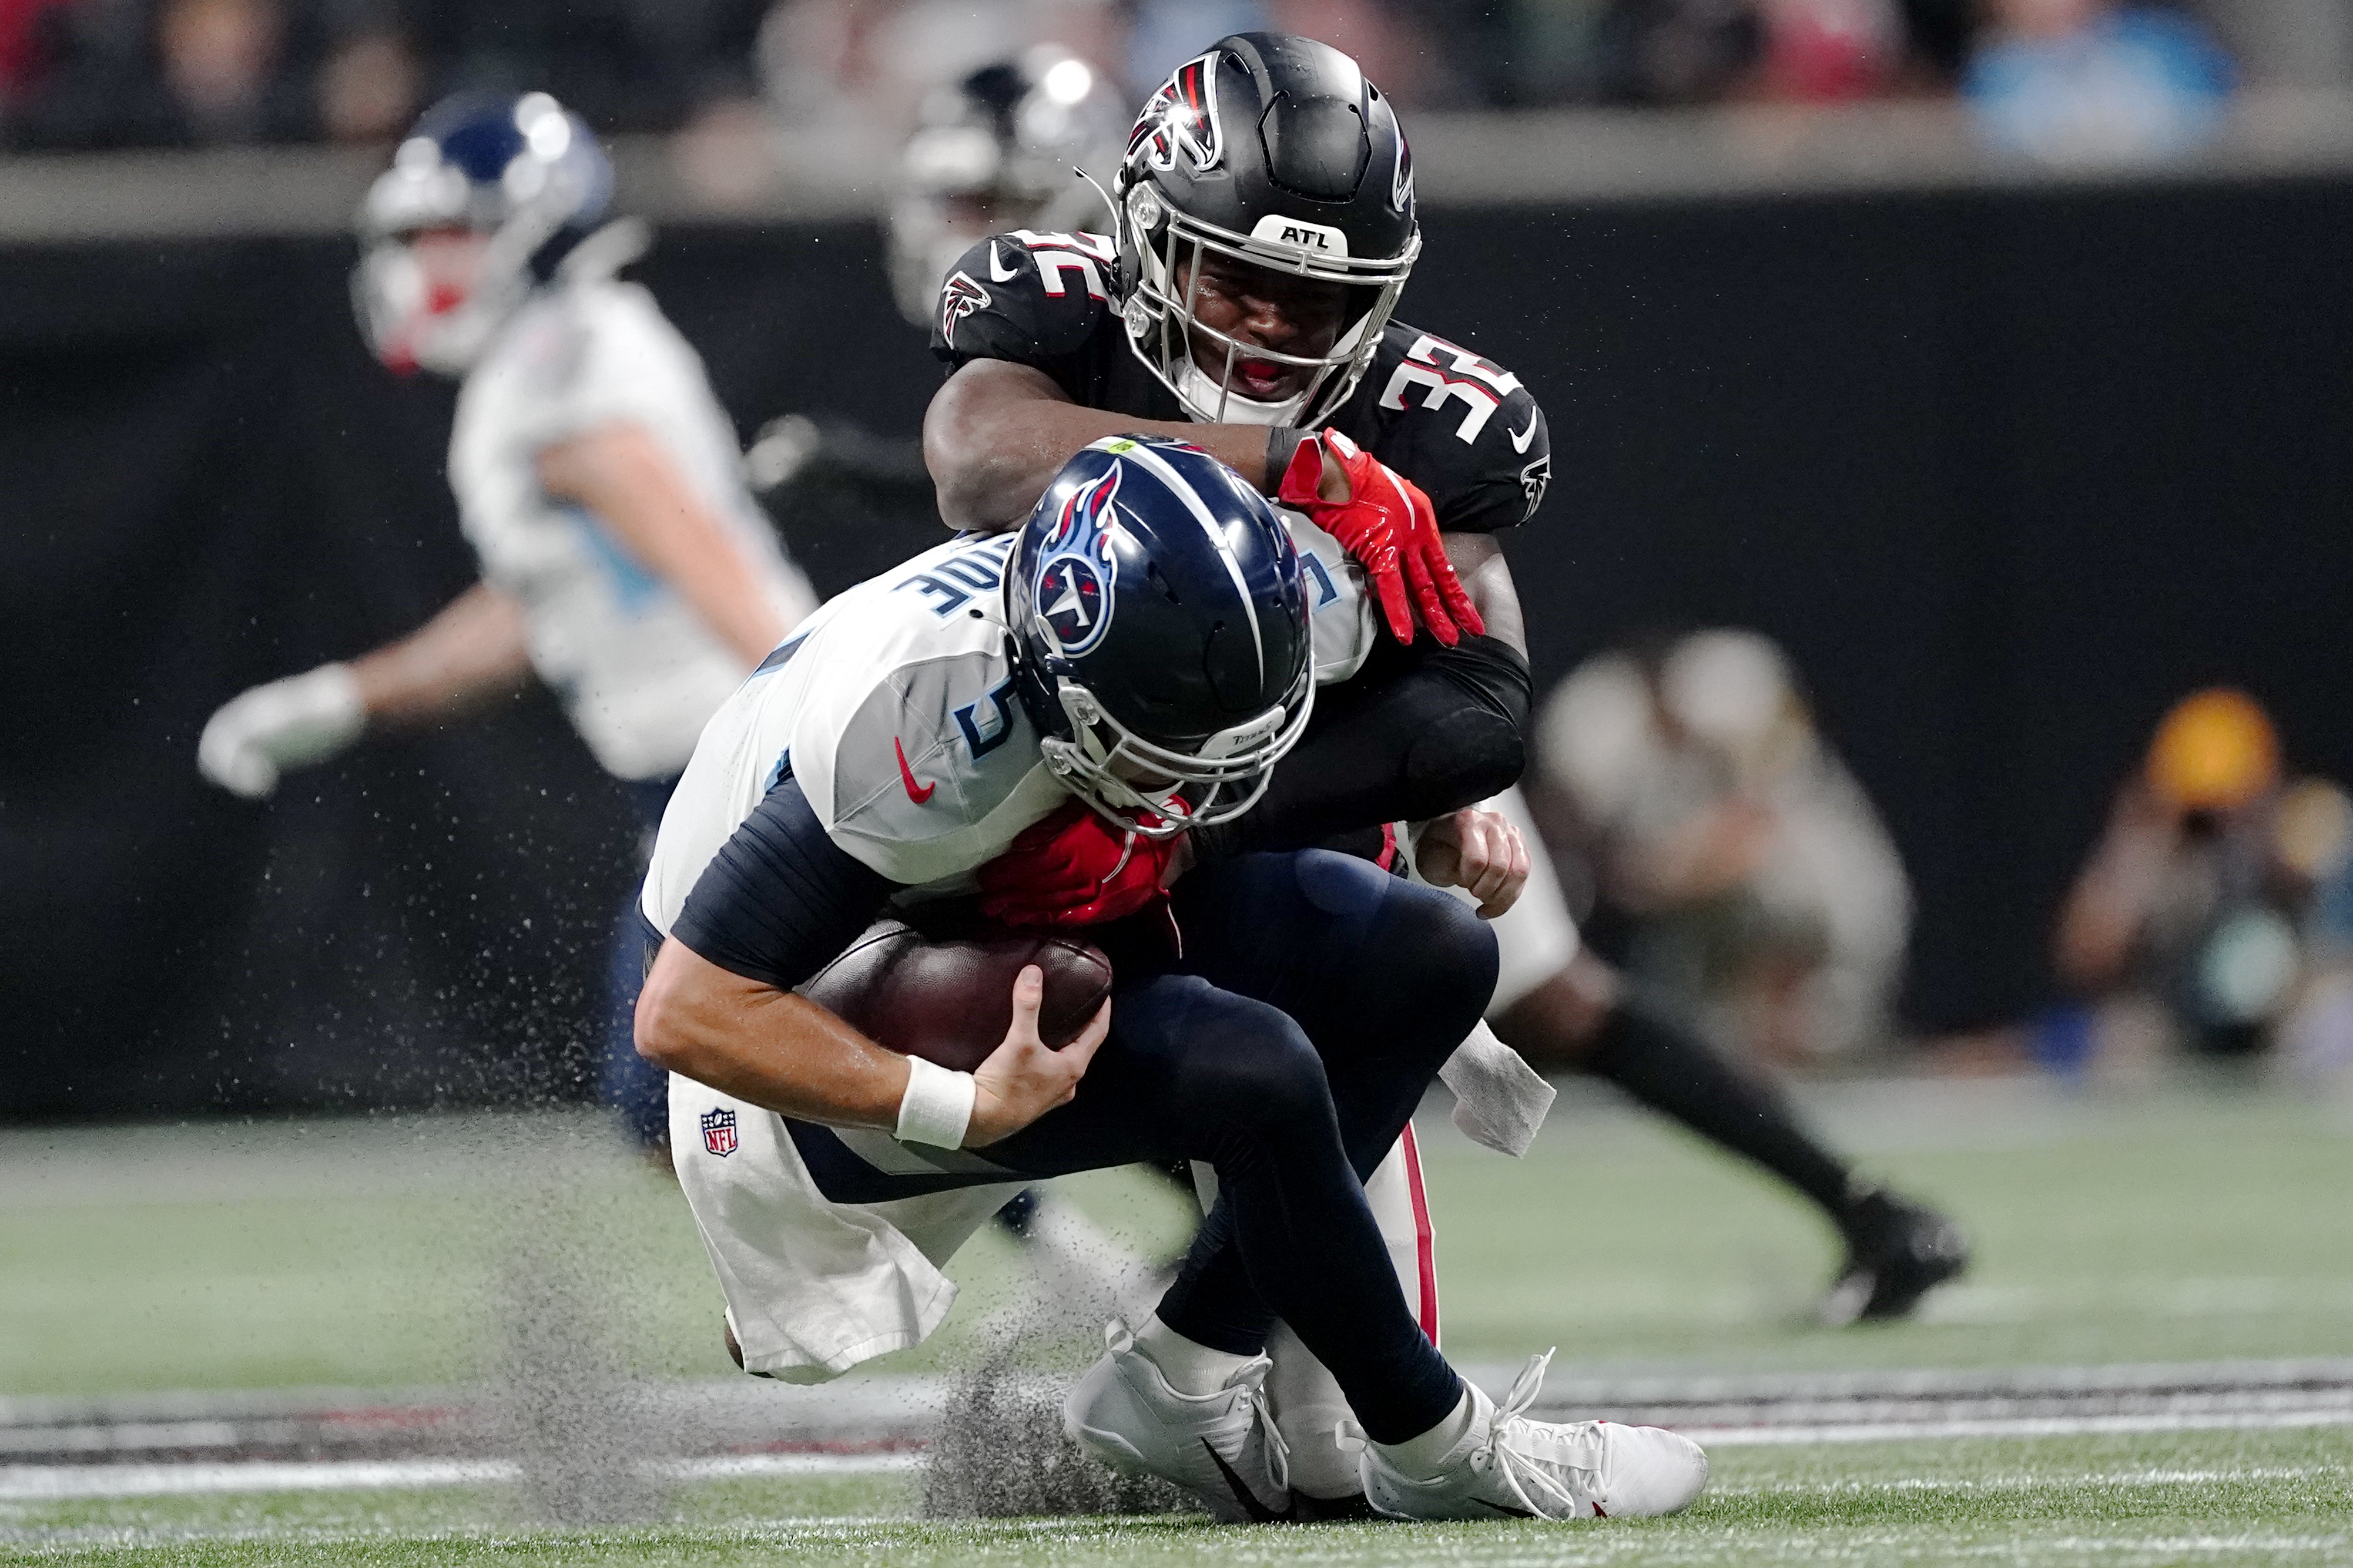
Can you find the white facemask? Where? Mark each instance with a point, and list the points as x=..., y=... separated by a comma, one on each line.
x=1198, y=392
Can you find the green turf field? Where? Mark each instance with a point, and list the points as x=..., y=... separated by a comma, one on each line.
x=370, y=1255
x=386, y=1254
x=2202, y=1498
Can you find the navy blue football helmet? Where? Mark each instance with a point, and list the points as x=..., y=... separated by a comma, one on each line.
x=520, y=172
x=1160, y=613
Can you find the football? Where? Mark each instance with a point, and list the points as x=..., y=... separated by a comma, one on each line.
x=948, y=998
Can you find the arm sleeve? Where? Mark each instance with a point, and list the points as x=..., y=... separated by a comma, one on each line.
x=779, y=901
x=1446, y=732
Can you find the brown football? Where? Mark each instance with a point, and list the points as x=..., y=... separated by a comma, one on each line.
x=949, y=998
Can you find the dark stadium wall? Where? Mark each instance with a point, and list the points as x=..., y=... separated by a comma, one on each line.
x=2006, y=472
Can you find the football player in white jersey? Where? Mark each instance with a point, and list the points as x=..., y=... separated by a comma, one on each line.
x=1128, y=665
x=623, y=561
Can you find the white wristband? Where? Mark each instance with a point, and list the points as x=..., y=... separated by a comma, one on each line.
x=937, y=1106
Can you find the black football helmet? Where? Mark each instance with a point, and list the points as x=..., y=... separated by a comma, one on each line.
x=998, y=151
x=1159, y=616
x=1275, y=150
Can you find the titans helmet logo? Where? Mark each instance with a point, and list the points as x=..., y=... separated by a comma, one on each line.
x=1076, y=567
x=1181, y=118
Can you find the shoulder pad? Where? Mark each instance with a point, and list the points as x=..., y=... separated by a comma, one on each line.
x=1339, y=611
x=551, y=346
x=1460, y=427
x=909, y=740
x=1024, y=296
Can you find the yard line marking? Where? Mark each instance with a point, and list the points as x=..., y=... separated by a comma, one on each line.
x=62, y=1483
x=2023, y=1481
x=59, y=1483
x=2016, y=1426
x=741, y=1467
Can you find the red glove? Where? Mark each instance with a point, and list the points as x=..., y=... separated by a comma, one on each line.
x=1389, y=526
x=1074, y=869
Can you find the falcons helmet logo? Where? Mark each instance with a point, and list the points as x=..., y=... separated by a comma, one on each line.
x=1181, y=118
x=959, y=297
x=1534, y=479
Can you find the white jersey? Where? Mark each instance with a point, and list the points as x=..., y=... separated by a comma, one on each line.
x=893, y=707
x=634, y=667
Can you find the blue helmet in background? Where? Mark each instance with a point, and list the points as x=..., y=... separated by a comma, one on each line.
x=479, y=198
x=1160, y=613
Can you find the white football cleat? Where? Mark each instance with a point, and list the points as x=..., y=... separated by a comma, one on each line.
x=1220, y=1447
x=1509, y=1465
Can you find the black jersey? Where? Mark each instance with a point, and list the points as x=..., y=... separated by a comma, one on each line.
x=1461, y=428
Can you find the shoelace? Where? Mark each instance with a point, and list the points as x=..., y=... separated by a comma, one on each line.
x=1120, y=1338
x=1526, y=1458
x=1278, y=1451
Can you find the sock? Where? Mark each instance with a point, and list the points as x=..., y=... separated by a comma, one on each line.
x=1423, y=1457
x=1667, y=1066
x=1190, y=1368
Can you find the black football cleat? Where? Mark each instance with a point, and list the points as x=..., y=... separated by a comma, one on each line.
x=1896, y=1253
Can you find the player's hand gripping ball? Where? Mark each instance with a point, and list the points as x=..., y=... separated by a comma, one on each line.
x=949, y=999
x=1389, y=525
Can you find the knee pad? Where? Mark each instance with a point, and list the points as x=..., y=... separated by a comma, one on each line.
x=1447, y=950
x=1261, y=1072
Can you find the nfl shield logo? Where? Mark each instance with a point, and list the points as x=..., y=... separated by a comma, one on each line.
x=718, y=1130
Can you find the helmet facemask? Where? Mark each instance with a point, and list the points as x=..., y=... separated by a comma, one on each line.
x=1229, y=770
x=1161, y=245
x=408, y=328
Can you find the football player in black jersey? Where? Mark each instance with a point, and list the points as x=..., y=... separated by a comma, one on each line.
x=1263, y=224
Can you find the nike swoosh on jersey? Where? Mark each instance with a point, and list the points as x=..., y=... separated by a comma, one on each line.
x=1520, y=438
x=907, y=775
x=998, y=274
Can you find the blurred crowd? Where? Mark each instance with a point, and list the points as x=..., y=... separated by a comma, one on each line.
x=1716, y=844
x=2055, y=78
x=1711, y=840
x=2215, y=915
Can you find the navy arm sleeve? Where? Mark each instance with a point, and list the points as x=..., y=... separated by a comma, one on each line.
x=780, y=900
x=1447, y=731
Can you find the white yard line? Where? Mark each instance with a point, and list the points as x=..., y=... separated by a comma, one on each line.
x=58, y=1483
x=62, y=1483
x=2017, y=1426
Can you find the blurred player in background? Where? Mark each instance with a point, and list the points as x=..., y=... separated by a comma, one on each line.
x=998, y=148
x=2188, y=927
x=597, y=480
x=998, y=151
x=1758, y=884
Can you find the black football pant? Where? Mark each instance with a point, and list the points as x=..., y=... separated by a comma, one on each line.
x=1288, y=1045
